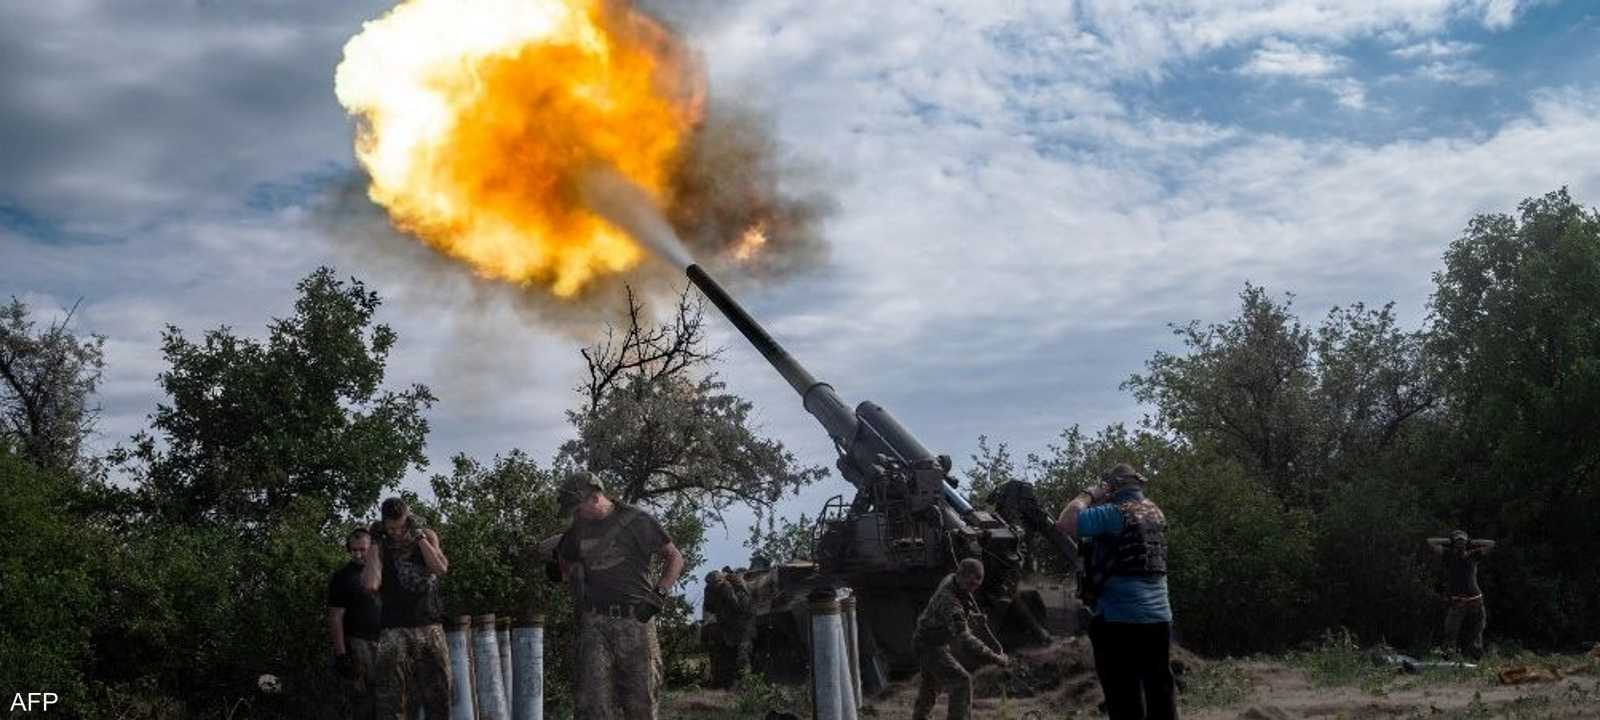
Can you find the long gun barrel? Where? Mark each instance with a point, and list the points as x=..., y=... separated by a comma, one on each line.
x=818, y=398
x=861, y=436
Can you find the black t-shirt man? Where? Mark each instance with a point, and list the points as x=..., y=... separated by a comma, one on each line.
x=362, y=613
x=1461, y=573
x=616, y=552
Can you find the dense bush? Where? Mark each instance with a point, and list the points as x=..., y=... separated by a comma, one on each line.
x=1302, y=466
x=48, y=601
x=1242, y=577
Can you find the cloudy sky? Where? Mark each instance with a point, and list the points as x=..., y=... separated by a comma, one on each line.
x=1028, y=191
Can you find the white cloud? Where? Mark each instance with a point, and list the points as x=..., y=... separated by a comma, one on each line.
x=1446, y=62
x=1348, y=92
x=1456, y=73
x=1143, y=37
x=1278, y=58
x=1497, y=14
x=1435, y=49
x=1003, y=258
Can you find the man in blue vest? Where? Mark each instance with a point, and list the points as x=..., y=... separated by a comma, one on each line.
x=1131, y=630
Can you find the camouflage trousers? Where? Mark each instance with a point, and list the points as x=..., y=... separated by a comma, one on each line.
x=618, y=673
x=1463, y=626
x=942, y=671
x=728, y=660
x=413, y=672
x=358, y=691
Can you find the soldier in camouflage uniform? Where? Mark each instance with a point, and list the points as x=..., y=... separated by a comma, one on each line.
x=403, y=568
x=729, y=639
x=605, y=557
x=946, y=621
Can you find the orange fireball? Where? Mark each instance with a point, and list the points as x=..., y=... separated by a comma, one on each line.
x=479, y=117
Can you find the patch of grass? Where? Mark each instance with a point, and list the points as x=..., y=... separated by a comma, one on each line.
x=1339, y=661
x=1217, y=684
x=750, y=699
x=755, y=695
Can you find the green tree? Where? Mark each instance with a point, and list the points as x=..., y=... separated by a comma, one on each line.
x=780, y=539
x=493, y=517
x=1243, y=387
x=48, y=599
x=1305, y=441
x=1242, y=571
x=1077, y=461
x=1516, y=333
x=991, y=468
x=47, y=379
x=251, y=426
x=660, y=429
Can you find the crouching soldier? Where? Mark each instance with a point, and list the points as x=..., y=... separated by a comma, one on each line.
x=946, y=622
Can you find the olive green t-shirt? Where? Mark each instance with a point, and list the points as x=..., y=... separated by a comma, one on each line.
x=616, y=560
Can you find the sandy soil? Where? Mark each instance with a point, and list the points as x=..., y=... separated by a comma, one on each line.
x=1059, y=682
x=1280, y=692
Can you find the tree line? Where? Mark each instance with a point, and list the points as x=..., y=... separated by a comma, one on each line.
x=164, y=578
x=1300, y=467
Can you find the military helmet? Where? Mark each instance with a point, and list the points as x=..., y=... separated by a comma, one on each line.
x=575, y=488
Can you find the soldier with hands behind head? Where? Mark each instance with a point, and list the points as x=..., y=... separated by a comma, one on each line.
x=1465, y=620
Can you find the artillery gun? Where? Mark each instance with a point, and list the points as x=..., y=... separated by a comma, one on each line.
x=903, y=530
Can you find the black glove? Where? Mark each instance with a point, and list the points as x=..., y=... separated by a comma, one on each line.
x=651, y=606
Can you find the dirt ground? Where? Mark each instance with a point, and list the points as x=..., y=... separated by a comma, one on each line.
x=1059, y=682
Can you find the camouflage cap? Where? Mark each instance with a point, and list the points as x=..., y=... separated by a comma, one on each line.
x=1124, y=473
x=575, y=488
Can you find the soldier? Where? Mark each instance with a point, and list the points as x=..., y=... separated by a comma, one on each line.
x=403, y=568
x=353, y=626
x=730, y=640
x=1014, y=501
x=947, y=619
x=1463, y=623
x=1131, y=629
x=605, y=556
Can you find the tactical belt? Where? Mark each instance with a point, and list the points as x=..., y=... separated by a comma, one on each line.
x=1464, y=600
x=631, y=611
